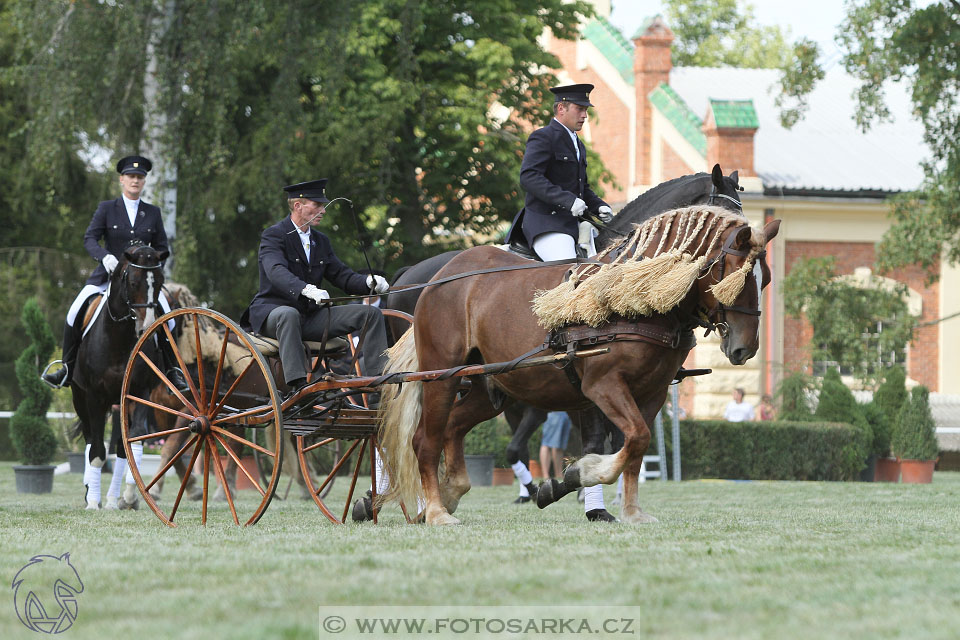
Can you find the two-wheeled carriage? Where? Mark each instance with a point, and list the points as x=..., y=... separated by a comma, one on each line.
x=233, y=408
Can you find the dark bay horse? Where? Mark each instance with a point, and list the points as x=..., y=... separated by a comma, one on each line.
x=132, y=300
x=700, y=188
x=462, y=321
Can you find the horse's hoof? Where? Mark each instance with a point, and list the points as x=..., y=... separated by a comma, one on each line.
x=195, y=494
x=639, y=517
x=571, y=477
x=93, y=506
x=546, y=494
x=362, y=510
x=129, y=506
x=112, y=504
x=155, y=496
x=443, y=519
x=600, y=515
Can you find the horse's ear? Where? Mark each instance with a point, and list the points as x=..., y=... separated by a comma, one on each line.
x=770, y=231
x=128, y=252
x=742, y=242
x=735, y=176
x=717, y=176
x=163, y=255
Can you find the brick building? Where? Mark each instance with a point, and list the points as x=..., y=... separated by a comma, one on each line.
x=825, y=179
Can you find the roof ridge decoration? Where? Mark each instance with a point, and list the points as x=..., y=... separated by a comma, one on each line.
x=608, y=40
x=685, y=121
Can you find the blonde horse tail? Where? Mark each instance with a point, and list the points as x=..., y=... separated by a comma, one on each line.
x=400, y=408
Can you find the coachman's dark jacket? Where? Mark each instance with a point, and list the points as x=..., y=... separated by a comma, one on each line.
x=284, y=272
x=111, y=223
x=553, y=179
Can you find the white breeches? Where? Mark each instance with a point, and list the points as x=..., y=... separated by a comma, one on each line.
x=554, y=246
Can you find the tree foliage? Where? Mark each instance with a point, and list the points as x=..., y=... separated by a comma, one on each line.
x=897, y=40
x=793, y=393
x=845, y=318
x=30, y=433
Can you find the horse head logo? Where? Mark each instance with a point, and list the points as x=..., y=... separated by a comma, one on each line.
x=45, y=593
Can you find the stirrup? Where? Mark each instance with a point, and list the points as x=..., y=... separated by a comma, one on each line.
x=66, y=376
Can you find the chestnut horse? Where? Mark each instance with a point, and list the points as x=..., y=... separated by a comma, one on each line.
x=491, y=318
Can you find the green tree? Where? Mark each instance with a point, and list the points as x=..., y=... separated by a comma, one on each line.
x=793, y=393
x=914, y=434
x=845, y=318
x=897, y=40
x=30, y=433
x=837, y=404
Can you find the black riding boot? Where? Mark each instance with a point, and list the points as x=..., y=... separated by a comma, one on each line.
x=62, y=376
x=169, y=364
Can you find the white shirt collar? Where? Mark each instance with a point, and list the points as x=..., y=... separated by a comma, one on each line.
x=131, y=206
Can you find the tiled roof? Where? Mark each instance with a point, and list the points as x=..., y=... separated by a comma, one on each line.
x=734, y=114
x=825, y=151
x=610, y=42
x=672, y=106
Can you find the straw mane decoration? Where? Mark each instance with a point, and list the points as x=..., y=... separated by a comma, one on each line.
x=641, y=282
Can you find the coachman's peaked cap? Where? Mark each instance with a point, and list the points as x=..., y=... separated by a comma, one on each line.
x=134, y=164
x=312, y=190
x=575, y=93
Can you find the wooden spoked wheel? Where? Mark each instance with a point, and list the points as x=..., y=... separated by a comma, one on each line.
x=320, y=463
x=232, y=394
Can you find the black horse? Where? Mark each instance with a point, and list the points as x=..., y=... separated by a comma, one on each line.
x=699, y=188
x=132, y=304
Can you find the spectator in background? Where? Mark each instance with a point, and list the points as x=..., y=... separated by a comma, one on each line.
x=556, y=434
x=737, y=409
x=767, y=410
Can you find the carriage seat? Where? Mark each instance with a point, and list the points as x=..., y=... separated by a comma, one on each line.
x=270, y=347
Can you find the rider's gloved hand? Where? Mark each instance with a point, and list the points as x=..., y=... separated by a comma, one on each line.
x=315, y=294
x=578, y=207
x=109, y=262
x=605, y=214
x=378, y=284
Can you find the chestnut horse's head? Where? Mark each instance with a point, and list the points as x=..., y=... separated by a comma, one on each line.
x=731, y=287
x=135, y=284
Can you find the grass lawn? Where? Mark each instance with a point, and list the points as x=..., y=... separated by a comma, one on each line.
x=727, y=560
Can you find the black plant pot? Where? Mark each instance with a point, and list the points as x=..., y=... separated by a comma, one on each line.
x=75, y=458
x=34, y=478
x=480, y=470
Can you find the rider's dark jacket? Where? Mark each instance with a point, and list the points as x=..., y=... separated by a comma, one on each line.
x=111, y=223
x=553, y=179
x=284, y=272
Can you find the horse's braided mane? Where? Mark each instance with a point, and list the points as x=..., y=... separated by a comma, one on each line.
x=634, y=283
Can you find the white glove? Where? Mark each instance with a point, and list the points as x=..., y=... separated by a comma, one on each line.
x=578, y=207
x=605, y=214
x=378, y=284
x=315, y=294
x=110, y=262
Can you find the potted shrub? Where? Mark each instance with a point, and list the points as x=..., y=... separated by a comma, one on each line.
x=837, y=404
x=485, y=445
x=32, y=437
x=889, y=398
x=793, y=395
x=914, y=439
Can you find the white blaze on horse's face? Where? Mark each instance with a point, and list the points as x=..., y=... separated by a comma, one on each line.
x=149, y=314
x=758, y=278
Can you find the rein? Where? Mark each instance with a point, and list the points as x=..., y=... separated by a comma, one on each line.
x=716, y=318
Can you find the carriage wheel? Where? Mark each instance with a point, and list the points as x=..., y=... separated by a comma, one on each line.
x=232, y=393
x=320, y=462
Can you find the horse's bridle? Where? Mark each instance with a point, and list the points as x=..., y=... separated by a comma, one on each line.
x=715, y=195
x=716, y=318
x=125, y=293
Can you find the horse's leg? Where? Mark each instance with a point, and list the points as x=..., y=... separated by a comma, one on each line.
x=593, y=432
x=474, y=409
x=630, y=510
x=428, y=443
x=524, y=419
x=95, y=419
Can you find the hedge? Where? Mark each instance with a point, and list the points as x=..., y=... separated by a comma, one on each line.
x=770, y=450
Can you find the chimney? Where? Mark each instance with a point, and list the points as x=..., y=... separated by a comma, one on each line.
x=651, y=66
x=730, y=126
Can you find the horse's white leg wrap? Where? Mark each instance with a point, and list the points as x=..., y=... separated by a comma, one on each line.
x=137, y=449
x=383, y=478
x=119, y=468
x=593, y=498
x=91, y=477
x=523, y=475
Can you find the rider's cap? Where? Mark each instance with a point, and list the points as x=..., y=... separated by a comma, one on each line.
x=312, y=190
x=575, y=93
x=134, y=164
